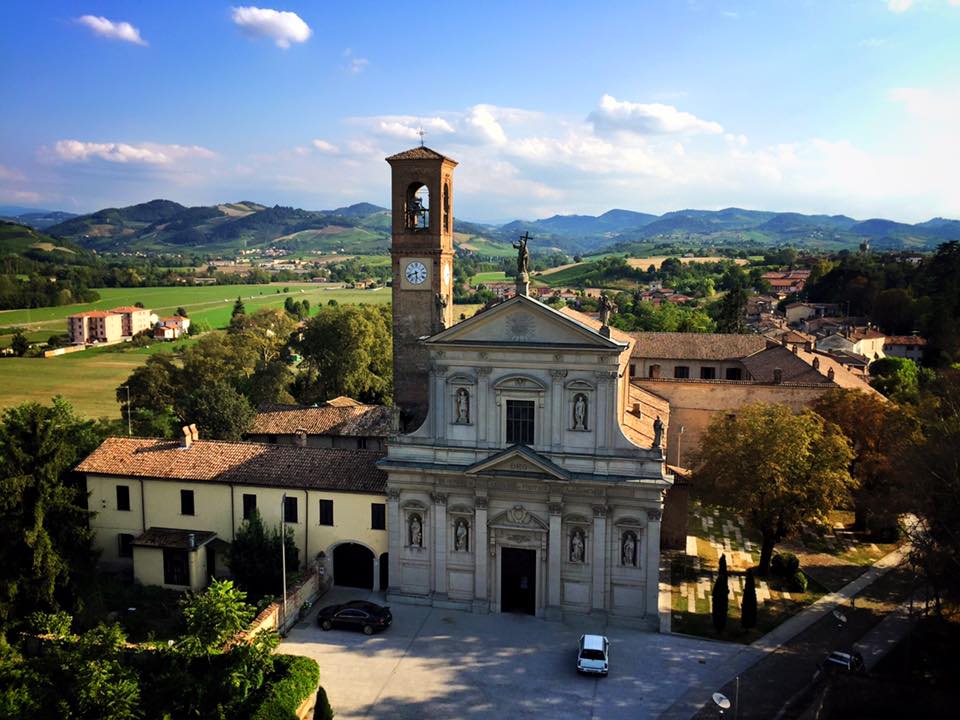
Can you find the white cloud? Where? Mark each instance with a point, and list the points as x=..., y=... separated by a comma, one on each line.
x=647, y=119
x=355, y=65
x=283, y=27
x=144, y=154
x=324, y=147
x=114, y=30
x=899, y=6
x=8, y=173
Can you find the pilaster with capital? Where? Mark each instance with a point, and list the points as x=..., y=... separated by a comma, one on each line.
x=438, y=399
x=394, y=534
x=440, y=543
x=482, y=404
x=554, y=551
x=558, y=411
x=600, y=543
x=480, y=553
x=652, y=540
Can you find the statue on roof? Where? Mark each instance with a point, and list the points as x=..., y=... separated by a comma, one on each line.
x=523, y=255
x=658, y=432
x=606, y=309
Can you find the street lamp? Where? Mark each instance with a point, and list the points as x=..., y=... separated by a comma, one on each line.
x=283, y=553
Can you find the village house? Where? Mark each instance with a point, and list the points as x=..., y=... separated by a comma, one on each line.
x=339, y=423
x=166, y=510
x=905, y=346
x=134, y=319
x=863, y=341
x=94, y=326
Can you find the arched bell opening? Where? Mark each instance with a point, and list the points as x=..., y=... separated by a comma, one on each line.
x=417, y=207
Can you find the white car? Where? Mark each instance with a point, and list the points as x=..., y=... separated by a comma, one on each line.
x=593, y=655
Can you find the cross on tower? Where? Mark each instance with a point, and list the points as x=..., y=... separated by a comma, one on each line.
x=421, y=132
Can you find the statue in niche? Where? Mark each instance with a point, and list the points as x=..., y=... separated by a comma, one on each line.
x=463, y=406
x=629, y=549
x=461, y=532
x=576, y=546
x=416, y=531
x=657, y=432
x=580, y=412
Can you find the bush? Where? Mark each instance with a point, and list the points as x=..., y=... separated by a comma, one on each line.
x=798, y=582
x=296, y=678
x=785, y=564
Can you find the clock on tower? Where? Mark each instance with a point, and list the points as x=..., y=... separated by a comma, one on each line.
x=422, y=256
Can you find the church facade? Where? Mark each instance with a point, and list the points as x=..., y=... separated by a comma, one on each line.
x=521, y=489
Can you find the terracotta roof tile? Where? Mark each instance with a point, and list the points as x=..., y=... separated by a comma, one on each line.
x=696, y=346
x=340, y=420
x=241, y=463
x=174, y=538
x=420, y=152
x=128, y=309
x=905, y=340
x=594, y=324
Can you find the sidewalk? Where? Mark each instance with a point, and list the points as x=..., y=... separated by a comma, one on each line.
x=699, y=694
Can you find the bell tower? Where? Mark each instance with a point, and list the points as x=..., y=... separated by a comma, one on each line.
x=422, y=257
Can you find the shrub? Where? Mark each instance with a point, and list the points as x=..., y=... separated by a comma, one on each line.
x=785, y=564
x=748, y=607
x=798, y=582
x=296, y=678
x=721, y=597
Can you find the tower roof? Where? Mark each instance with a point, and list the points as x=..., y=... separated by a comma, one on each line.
x=421, y=152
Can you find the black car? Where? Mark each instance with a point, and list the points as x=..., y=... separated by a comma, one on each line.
x=359, y=614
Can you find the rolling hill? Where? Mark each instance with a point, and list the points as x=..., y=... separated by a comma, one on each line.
x=364, y=228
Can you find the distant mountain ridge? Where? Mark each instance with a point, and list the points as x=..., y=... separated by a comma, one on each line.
x=363, y=228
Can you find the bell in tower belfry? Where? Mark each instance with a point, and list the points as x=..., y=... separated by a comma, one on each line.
x=422, y=257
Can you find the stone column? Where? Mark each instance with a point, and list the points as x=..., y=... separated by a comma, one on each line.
x=555, y=552
x=440, y=544
x=481, y=406
x=394, y=536
x=652, y=570
x=481, y=600
x=599, y=603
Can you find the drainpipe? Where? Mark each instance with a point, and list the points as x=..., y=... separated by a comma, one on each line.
x=143, y=508
x=233, y=514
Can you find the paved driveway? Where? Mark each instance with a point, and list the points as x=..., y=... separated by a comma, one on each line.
x=434, y=663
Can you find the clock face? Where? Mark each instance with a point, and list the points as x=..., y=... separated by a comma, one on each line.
x=416, y=272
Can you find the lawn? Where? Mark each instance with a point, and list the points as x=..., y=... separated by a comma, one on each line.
x=89, y=379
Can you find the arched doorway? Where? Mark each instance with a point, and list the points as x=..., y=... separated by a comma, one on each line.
x=384, y=571
x=353, y=566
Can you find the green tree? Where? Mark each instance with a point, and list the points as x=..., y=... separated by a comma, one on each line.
x=897, y=378
x=182, y=312
x=151, y=391
x=20, y=344
x=238, y=309
x=46, y=553
x=730, y=311
x=347, y=351
x=214, y=616
x=879, y=433
x=254, y=557
x=748, y=606
x=218, y=409
x=720, y=597
x=776, y=468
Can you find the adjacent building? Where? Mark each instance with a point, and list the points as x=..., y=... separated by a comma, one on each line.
x=338, y=423
x=134, y=319
x=95, y=326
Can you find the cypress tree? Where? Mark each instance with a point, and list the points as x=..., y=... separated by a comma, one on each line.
x=721, y=601
x=748, y=608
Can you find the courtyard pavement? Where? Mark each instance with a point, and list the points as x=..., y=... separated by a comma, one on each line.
x=435, y=663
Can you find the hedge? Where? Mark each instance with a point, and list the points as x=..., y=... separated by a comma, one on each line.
x=297, y=678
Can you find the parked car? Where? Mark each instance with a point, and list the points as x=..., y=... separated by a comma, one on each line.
x=593, y=655
x=358, y=614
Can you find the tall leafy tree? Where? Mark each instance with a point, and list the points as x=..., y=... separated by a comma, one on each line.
x=219, y=411
x=748, y=606
x=777, y=468
x=254, y=559
x=45, y=538
x=720, y=597
x=347, y=351
x=238, y=309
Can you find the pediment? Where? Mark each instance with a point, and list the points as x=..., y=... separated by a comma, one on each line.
x=523, y=321
x=518, y=460
x=519, y=518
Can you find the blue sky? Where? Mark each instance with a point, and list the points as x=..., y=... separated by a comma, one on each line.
x=550, y=107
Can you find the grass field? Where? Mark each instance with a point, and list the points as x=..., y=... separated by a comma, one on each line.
x=89, y=379
x=485, y=277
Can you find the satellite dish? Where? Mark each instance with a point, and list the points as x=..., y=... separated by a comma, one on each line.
x=721, y=701
x=841, y=618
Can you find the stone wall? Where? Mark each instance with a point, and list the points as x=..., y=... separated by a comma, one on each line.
x=271, y=617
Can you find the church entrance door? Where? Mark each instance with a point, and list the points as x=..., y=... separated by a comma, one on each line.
x=518, y=581
x=353, y=566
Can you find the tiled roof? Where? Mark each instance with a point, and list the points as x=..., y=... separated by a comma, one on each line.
x=128, y=309
x=594, y=324
x=420, y=152
x=340, y=420
x=174, y=538
x=905, y=340
x=696, y=346
x=798, y=367
x=93, y=313
x=241, y=463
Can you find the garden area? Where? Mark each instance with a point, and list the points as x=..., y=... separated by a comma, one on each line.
x=802, y=571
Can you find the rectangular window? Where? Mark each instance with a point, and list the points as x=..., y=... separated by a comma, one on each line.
x=290, y=510
x=125, y=545
x=361, y=443
x=681, y=372
x=123, y=497
x=175, y=567
x=734, y=374
x=708, y=373
x=378, y=516
x=326, y=512
x=520, y=415
x=186, y=502
x=249, y=505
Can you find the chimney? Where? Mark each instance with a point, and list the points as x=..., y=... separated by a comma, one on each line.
x=816, y=363
x=830, y=374
x=194, y=433
x=300, y=437
x=186, y=437
x=192, y=540
x=777, y=376
x=794, y=349
x=636, y=410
